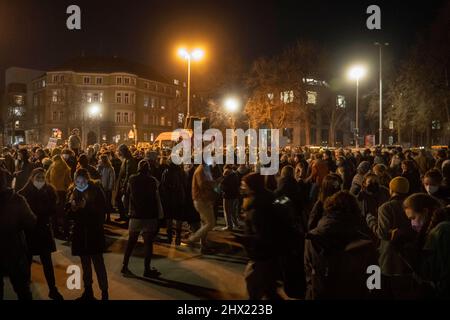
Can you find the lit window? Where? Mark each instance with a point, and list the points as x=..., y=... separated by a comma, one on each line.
x=153, y=102
x=43, y=83
x=177, y=82
x=340, y=101
x=18, y=100
x=177, y=93
x=180, y=117
x=118, y=97
x=145, y=136
x=163, y=103
x=55, y=96
x=287, y=96
x=146, y=100
x=163, y=121
x=270, y=96
x=151, y=137
x=391, y=124
x=435, y=125
x=311, y=97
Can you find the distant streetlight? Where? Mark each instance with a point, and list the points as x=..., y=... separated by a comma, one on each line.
x=94, y=111
x=196, y=55
x=231, y=104
x=380, y=130
x=356, y=73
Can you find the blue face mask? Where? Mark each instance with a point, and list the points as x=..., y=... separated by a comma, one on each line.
x=82, y=187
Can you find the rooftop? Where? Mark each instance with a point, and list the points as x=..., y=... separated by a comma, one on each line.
x=108, y=64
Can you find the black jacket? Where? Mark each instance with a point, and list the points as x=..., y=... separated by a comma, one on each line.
x=43, y=204
x=88, y=235
x=173, y=192
x=231, y=186
x=15, y=217
x=142, y=196
x=337, y=254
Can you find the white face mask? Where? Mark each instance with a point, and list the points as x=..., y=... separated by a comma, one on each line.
x=65, y=156
x=38, y=184
x=431, y=189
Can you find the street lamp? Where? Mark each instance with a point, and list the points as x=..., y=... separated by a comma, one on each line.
x=356, y=73
x=380, y=130
x=196, y=55
x=94, y=111
x=232, y=105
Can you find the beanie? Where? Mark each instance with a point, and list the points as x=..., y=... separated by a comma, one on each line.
x=399, y=185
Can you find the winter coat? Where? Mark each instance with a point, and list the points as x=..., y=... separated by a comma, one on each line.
x=369, y=203
x=230, y=186
x=107, y=177
x=142, y=197
x=390, y=216
x=127, y=168
x=173, y=192
x=203, y=185
x=337, y=254
x=22, y=175
x=15, y=217
x=88, y=235
x=288, y=187
x=74, y=142
x=190, y=213
x=59, y=175
x=43, y=204
x=319, y=169
x=415, y=184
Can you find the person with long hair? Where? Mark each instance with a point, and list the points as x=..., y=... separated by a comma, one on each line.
x=86, y=207
x=331, y=184
x=42, y=199
x=431, y=258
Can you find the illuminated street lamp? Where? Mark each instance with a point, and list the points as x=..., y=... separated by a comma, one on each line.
x=196, y=55
x=356, y=73
x=232, y=105
x=380, y=130
x=94, y=111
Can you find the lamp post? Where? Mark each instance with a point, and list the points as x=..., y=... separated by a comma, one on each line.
x=94, y=111
x=232, y=106
x=380, y=130
x=196, y=54
x=356, y=73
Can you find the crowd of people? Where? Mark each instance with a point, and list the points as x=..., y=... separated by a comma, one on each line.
x=310, y=231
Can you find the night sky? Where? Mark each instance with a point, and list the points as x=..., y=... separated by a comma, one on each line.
x=34, y=34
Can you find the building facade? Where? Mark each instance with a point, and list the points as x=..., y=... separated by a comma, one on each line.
x=110, y=100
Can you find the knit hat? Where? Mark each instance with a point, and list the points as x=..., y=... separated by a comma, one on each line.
x=399, y=185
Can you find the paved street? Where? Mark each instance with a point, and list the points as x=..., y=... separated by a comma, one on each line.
x=186, y=274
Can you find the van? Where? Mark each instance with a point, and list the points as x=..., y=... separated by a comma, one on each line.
x=164, y=140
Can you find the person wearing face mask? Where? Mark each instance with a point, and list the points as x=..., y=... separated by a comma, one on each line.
x=432, y=183
x=396, y=275
x=42, y=199
x=372, y=195
x=429, y=257
x=87, y=208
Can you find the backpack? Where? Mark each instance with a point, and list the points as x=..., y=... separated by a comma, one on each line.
x=340, y=274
